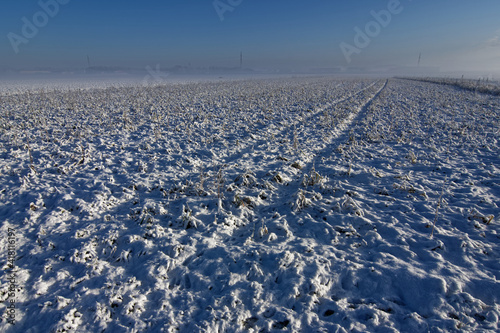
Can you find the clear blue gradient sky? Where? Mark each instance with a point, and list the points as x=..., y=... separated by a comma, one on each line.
x=452, y=34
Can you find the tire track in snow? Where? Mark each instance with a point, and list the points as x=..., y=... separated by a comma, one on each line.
x=339, y=136
x=288, y=189
x=250, y=144
x=327, y=106
x=342, y=129
x=339, y=133
x=257, y=160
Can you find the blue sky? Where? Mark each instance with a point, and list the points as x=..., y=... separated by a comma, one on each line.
x=451, y=34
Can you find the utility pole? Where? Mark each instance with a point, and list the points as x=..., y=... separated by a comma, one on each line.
x=241, y=60
x=419, y=57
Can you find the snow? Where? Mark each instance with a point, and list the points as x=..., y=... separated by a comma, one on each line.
x=290, y=204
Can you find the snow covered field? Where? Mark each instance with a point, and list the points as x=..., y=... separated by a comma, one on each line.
x=300, y=205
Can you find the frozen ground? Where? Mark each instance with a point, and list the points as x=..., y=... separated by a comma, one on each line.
x=301, y=205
